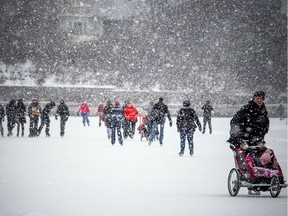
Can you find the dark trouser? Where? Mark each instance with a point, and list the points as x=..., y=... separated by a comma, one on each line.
x=33, y=125
x=1, y=128
x=207, y=120
x=45, y=121
x=125, y=127
x=117, y=127
x=85, y=118
x=10, y=125
x=189, y=136
x=22, y=128
x=154, y=131
x=63, y=120
x=131, y=128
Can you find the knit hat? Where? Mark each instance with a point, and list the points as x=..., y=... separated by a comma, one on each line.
x=117, y=103
x=186, y=103
x=259, y=94
x=52, y=103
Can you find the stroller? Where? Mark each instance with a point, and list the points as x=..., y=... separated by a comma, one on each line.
x=250, y=173
x=143, y=128
x=100, y=113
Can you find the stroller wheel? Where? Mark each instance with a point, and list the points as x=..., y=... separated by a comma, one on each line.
x=233, y=182
x=275, y=187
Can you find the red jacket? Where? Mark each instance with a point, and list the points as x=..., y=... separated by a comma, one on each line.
x=100, y=108
x=130, y=112
x=84, y=108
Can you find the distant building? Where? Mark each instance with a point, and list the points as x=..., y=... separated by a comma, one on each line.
x=80, y=20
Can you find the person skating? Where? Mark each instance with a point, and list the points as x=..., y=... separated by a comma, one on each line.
x=45, y=119
x=207, y=108
x=187, y=122
x=125, y=122
x=34, y=112
x=131, y=114
x=107, y=117
x=84, y=111
x=117, y=116
x=281, y=111
x=2, y=118
x=21, y=118
x=11, y=112
x=64, y=113
x=158, y=117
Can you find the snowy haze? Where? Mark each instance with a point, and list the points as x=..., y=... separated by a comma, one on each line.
x=82, y=174
x=223, y=47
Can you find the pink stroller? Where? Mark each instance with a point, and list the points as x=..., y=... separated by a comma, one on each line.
x=249, y=172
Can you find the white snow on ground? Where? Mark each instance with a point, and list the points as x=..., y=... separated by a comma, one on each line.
x=82, y=174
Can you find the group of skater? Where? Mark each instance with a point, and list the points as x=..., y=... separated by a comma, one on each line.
x=118, y=120
x=16, y=115
x=249, y=123
x=121, y=120
x=248, y=126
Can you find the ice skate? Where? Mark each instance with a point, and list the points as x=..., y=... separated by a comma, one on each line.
x=191, y=152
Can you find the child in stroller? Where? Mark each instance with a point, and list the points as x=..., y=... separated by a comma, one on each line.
x=143, y=128
x=256, y=168
x=100, y=113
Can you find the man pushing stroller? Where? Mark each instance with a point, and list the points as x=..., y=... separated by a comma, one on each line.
x=250, y=124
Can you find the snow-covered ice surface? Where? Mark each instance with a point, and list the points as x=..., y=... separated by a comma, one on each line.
x=82, y=174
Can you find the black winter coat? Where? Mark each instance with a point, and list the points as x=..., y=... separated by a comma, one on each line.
x=63, y=111
x=117, y=116
x=21, y=110
x=250, y=123
x=46, y=111
x=187, y=120
x=2, y=112
x=207, y=108
x=160, y=110
x=11, y=111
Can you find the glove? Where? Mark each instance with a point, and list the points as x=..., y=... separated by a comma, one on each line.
x=170, y=123
x=232, y=147
x=257, y=141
